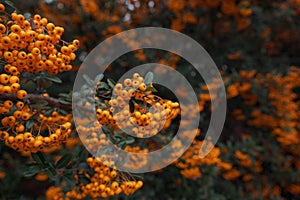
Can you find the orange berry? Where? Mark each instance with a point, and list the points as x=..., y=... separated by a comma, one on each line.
x=38, y=144
x=64, y=50
x=8, y=104
x=2, y=7
x=35, y=51
x=142, y=87
x=14, y=79
x=15, y=28
x=20, y=104
x=21, y=94
x=25, y=116
x=20, y=128
x=7, y=89
x=5, y=40
x=76, y=43
x=17, y=114
x=4, y=78
x=15, y=87
x=136, y=75
x=4, y=135
x=53, y=138
x=2, y=28
x=19, y=138
x=8, y=55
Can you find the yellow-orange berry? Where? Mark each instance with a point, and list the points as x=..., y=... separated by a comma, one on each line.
x=21, y=94
x=2, y=7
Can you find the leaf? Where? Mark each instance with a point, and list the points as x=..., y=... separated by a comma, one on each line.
x=11, y=4
x=63, y=101
x=103, y=86
x=111, y=83
x=27, y=16
x=51, y=174
x=99, y=78
x=69, y=178
x=148, y=78
x=64, y=161
x=88, y=80
x=54, y=79
x=31, y=169
x=130, y=140
x=29, y=124
x=39, y=158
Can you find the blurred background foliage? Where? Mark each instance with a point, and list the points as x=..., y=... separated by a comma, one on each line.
x=255, y=44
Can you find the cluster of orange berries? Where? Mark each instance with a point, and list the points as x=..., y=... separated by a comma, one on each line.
x=34, y=45
x=51, y=131
x=31, y=45
x=136, y=162
x=105, y=182
x=92, y=138
x=147, y=117
x=190, y=161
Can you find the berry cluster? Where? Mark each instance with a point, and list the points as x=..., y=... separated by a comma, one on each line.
x=34, y=45
x=31, y=45
x=48, y=132
x=91, y=138
x=148, y=114
x=105, y=182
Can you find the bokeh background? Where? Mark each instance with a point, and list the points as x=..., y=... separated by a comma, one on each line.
x=254, y=43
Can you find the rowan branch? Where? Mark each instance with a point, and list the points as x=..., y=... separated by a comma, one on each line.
x=39, y=97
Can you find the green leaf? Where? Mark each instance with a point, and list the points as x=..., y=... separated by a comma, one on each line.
x=31, y=169
x=88, y=80
x=51, y=174
x=27, y=16
x=148, y=78
x=54, y=79
x=63, y=101
x=99, y=78
x=69, y=178
x=111, y=83
x=11, y=4
x=64, y=161
x=130, y=140
x=29, y=123
x=103, y=86
x=39, y=158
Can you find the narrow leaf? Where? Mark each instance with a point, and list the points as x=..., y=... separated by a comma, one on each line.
x=64, y=161
x=148, y=78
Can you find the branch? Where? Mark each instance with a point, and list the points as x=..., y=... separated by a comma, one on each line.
x=39, y=97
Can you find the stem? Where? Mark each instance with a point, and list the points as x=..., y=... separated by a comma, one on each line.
x=38, y=97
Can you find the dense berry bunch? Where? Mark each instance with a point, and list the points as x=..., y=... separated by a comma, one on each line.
x=104, y=182
x=189, y=163
x=92, y=138
x=34, y=45
x=135, y=108
x=31, y=45
x=48, y=132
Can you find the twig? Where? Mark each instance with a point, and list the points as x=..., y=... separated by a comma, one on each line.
x=39, y=97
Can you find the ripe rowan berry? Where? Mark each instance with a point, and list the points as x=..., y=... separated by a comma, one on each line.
x=14, y=79
x=21, y=94
x=2, y=7
x=2, y=28
x=4, y=135
x=20, y=104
